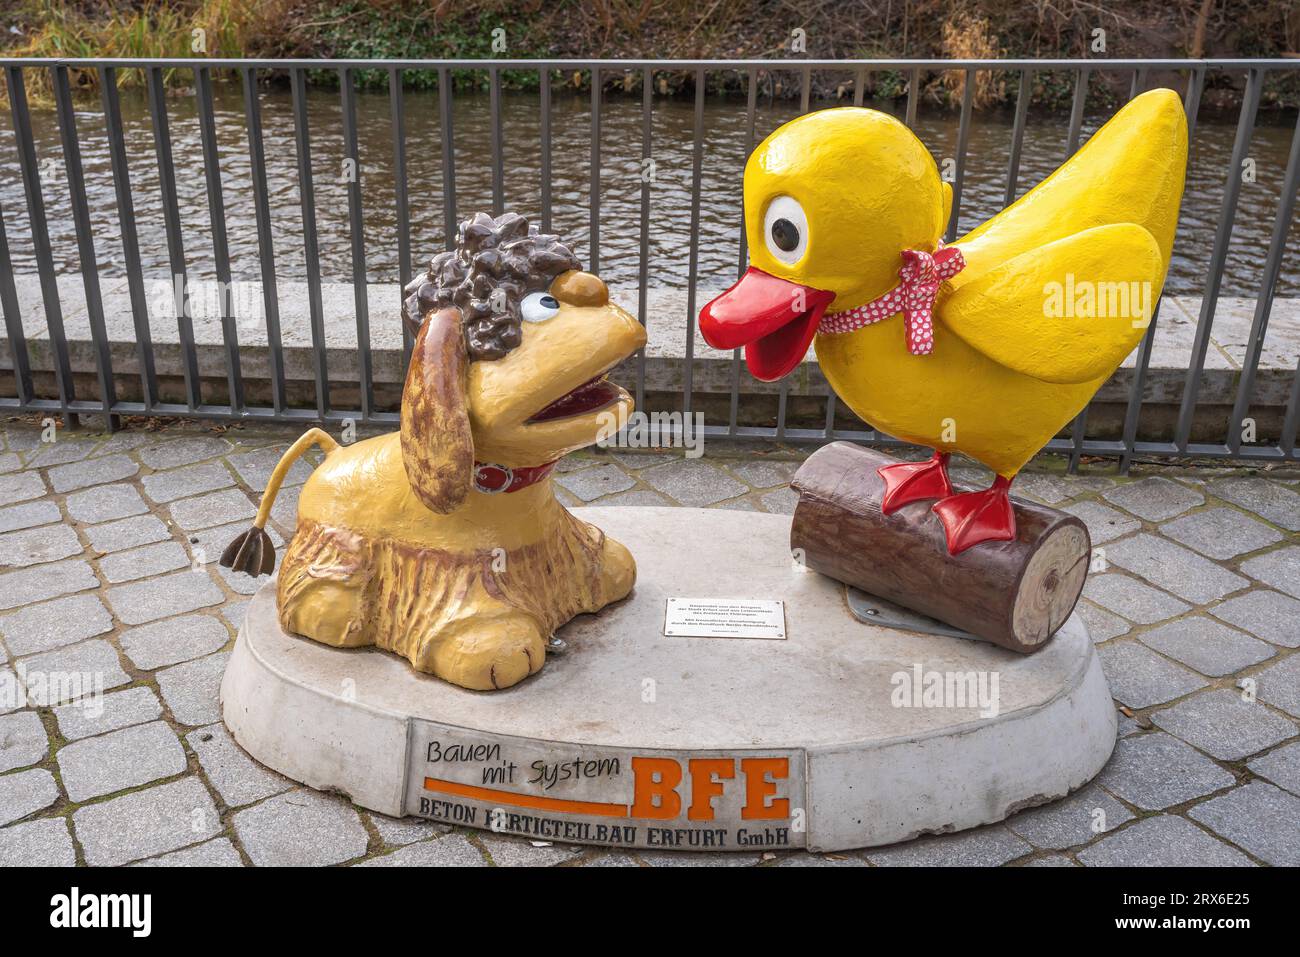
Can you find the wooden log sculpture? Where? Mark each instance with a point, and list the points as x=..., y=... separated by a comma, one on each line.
x=1015, y=594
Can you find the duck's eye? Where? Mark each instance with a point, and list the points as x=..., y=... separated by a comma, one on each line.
x=538, y=307
x=785, y=229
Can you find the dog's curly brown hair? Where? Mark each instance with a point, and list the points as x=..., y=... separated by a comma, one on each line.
x=496, y=263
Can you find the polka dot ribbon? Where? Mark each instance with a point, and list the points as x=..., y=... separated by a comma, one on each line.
x=914, y=297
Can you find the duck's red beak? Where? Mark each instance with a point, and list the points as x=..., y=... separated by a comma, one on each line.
x=774, y=319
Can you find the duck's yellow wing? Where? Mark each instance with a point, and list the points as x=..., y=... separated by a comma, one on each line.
x=1068, y=311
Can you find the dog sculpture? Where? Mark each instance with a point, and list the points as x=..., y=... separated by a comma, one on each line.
x=444, y=542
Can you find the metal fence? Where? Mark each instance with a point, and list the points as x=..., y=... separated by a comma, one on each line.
x=23, y=397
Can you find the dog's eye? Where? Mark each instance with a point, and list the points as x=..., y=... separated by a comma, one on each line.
x=538, y=307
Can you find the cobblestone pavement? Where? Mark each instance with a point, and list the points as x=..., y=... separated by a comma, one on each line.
x=107, y=566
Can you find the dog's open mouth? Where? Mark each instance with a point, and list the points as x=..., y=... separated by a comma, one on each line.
x=592, y=395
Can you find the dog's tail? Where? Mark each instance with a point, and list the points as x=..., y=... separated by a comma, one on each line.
x=253, y=552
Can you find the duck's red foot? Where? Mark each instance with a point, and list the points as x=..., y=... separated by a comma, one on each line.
x=973, y=517
x=913, y=481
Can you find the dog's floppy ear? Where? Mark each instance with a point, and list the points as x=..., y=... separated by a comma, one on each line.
x=437, y=445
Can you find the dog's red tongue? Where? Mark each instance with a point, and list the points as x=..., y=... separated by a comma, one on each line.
x=774, y=319
x=587, y=397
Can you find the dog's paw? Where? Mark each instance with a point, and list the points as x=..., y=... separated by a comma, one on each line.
x=485, y=653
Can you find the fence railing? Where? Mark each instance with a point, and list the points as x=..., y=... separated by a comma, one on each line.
x=22, y=390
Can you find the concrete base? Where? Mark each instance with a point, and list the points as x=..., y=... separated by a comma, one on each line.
x=839, y=736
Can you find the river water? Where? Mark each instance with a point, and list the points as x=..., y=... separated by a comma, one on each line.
x=620, y=192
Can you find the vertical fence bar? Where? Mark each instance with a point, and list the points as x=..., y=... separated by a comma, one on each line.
x=397, y=108
x=963, y=137
x=265, y=242
x=85, y=244
x=594, y=225
x=1291, y=423
x=859, y=86
x=130, y=238
x=14, y=320
x=913, y=96
x=175, y=241
x=498, y=160
x=357, y=227
x=448, y=157
x=697, y=173
x=1222, y=237
x=1133, y=413
x=544, y=97
x=643, y=265
x=1018, y=136
x=1192, y=99
x=311, y=252
x=220, y=246
x=1267, y=287
x=31, y=175
x=751, y=104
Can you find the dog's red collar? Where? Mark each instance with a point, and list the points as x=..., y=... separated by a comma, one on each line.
x=491, y=478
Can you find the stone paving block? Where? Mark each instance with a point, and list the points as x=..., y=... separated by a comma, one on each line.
x=780, y=502
x=643, y=459
x=10, y=462
x=638, y=496
x=97, y=471
x=233, y=612
x=407, y=830
x=454, y=850
x=1207, y=646
x=300, y=829
x=1276, y=503
x=30, y=585
x=1281, y=766
x=592, y=483
x=175, y=452
x=21, y=438
x=1052, y=860
x=688, y=859
x=53, y=624
x=1221, y=533
x=1223, y=725
x=126, y=533
x=285, y=510
x=60, y=452
x=28, y=515
x=23, y=793
x=65, y=674
x=173, y=640
x=1162, y=841
x=237, y=581
x=119, y=760
x=1155, y=499
x=981, y=847
x=1053, y=489
x=1279, y=685
x=1138, y=677
x=1188, y=575
x=45, y=843
x=255, y=467
x=1155, y=771
x=1102, y=625
x=611, y=859
x=1104, y=524
x=801, y=859
x=1280, y=569
x=1073, y=820
x=1132, y=599
x=98, y=715
x=154, y=598
x=191, y=689
x=215, y=508
x=1258, y=817
x=693, y=482
x=509, y=851
x=738, y=505
x=22, y=740
x=206, y=545
x=1266, y=614
x=237, y=778
x=20, y=486
x=103, y=503
x=143, y=562
x=218, y=852
x=146, y=823
x=123, y=441
x=35, y=546
x=764, y=474
x=183, y=482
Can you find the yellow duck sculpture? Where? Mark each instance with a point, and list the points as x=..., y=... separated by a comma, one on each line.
x=988, y=346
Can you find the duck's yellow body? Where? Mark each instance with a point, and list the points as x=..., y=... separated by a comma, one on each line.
x=1056, y=289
